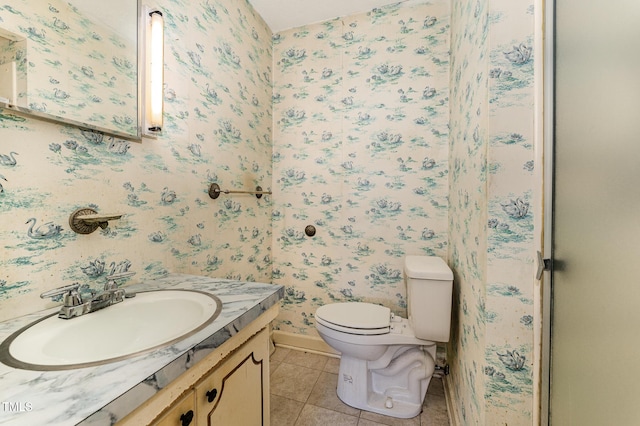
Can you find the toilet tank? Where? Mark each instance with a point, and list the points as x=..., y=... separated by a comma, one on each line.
x=429, y=289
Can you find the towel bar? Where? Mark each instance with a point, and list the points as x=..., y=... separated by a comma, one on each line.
x=215, y=191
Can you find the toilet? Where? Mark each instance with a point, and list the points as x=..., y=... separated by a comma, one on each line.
x=387, y=361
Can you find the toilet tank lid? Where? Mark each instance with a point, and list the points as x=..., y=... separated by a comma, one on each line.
x=427, y=267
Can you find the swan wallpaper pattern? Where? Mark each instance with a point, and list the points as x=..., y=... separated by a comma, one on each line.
x=63, y=67
x=408, y=129
x=492, y=207
x=360, y=152
x=217, y=129
x=402, y=131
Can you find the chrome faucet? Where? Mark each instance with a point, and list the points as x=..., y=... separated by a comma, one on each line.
x=73, y=304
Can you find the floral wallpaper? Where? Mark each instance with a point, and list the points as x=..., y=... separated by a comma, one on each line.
x=510, y=292
x=360, y=153
x=388, y=146
x=71, y=65
x=217, y=129
x=14, y=76
x=492, y=211
x=468, y=207
x=404, y=130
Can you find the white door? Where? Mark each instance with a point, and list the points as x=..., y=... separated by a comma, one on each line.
x=595, y=346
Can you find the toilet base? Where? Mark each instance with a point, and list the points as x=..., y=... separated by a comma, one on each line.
x=395, y=385
x=376, y=404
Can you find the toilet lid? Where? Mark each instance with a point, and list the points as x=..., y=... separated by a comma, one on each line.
x=355, y=317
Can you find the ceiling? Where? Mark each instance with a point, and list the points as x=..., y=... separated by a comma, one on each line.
x=284, y=14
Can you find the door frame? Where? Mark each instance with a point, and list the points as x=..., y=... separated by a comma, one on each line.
x=548, y=206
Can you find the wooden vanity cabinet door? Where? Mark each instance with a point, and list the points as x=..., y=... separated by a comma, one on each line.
x=237, y=391
x=181, y=413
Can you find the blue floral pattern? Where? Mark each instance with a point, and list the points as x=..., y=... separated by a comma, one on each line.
x=404, y=130
x=491, y=221
x=63, y=68
x=360, y=152
x=218, y=127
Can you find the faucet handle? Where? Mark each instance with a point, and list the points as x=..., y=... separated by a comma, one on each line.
x=111, y=279
x=70, y=292
x=111, y=286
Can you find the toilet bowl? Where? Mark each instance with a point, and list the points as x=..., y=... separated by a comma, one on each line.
x=387, y=361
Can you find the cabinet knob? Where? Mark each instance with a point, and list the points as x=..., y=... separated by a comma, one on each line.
x=211, y=395
x=186, y=418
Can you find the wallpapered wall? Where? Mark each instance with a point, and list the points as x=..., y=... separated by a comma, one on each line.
x=469, y=205
x=217, y=128
x=14, y=70
x=360, y=152
x=492, y=210
x=362, y=149
x=72, y=66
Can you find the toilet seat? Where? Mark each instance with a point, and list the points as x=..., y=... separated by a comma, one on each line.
x=355, y=318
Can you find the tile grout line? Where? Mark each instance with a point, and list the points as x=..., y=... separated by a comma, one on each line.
x=321, y=371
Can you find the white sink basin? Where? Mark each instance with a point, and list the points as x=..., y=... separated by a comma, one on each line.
x=148, y=321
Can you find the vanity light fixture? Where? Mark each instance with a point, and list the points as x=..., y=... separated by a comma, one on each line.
x=155, y=72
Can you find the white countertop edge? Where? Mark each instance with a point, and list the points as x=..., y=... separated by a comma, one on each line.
x=106, y=393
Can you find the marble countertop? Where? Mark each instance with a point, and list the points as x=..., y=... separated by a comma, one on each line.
x=104, y=394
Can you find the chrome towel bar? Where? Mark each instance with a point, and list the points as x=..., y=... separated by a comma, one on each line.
x=215, y=191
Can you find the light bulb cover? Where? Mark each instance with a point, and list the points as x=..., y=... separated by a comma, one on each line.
x=155, y=74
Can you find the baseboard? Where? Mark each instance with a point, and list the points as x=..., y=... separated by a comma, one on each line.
x=449, y=396
x=301, y=342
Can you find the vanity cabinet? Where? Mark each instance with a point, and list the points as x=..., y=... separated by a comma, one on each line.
x=181, y=413
x=230, y=386
x=234, y=392
x=237, y=392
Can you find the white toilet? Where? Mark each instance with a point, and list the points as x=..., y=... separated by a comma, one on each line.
x=387, y=361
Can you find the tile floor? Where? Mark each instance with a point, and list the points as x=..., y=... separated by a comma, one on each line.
x=303, y=393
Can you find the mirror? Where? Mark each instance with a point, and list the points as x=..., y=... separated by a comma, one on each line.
x=74, y=61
